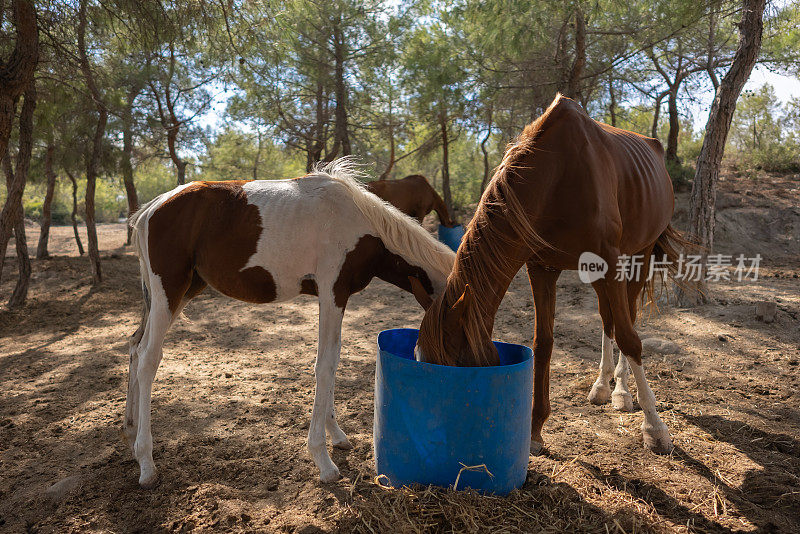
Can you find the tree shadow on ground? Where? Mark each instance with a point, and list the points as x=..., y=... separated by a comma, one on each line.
x=768, y=496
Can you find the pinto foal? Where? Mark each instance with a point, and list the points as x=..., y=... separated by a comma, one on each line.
x=268, y=241
x=569, y=185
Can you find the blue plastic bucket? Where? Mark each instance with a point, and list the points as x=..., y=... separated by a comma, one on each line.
x=432, y=420
x=451, y=236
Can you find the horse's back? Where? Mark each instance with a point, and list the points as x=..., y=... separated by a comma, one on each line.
x=593, y=183
x=411, y=194
x=644, y=191
x=236, y=233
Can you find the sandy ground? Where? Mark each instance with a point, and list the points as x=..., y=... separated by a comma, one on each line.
x=233, y=395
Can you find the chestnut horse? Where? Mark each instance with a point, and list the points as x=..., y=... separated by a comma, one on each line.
x=414, y=196
x=568, y=185
x=268, y=241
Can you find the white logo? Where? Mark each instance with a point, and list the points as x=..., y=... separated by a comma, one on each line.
x=591, y=267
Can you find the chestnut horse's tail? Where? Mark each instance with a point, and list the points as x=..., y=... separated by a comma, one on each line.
x=667, y=250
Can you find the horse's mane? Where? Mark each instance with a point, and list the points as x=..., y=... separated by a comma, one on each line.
x=499, y=203
x=400, y=233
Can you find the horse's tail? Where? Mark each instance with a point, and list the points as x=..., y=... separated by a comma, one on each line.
x=400, y=233
x=667, y=251
x=137, y=222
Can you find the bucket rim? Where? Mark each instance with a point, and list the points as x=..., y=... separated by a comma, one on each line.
x=527, y=359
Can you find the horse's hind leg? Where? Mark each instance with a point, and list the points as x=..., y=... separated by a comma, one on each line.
x=601, y=389
x=130, y=423
x=149, y=355
x=655, y=432
x=621, y=399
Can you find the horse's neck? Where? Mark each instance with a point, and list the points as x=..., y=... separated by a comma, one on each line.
x=488, y=260
x=396, y=269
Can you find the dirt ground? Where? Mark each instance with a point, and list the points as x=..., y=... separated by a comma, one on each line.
x=232, y=402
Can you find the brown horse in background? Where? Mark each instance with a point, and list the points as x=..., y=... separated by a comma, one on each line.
x=569, y=185
x=414, y=196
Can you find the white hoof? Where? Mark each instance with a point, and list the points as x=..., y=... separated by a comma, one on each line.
x=343, y=444
x=599, y=394
x=148, y=480
x=658, y=440
x=330, y=474
x=622, y=402
x=536, y=448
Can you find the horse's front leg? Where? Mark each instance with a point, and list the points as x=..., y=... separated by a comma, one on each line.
x=338, y=437
x=329, y=346
x=543, y=287
x=655, y=433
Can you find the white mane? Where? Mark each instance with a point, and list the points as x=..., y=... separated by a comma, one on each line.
x=400, y=233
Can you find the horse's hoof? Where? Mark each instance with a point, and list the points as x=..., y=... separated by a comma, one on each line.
x=329, y=475
x=622, y=402
x=344, y=444
x=149, y=482
x=599, y=394
x=658, y=441
x=537, y=448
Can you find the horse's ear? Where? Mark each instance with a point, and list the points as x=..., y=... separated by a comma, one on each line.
x=419, y=293
x=461, y=306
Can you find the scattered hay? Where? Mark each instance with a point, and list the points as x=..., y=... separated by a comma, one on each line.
x=541, y=505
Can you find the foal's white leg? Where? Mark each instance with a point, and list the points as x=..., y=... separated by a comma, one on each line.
x=601, y=390
x=655, y=432
x=150, y=353
x=131, y=423
x=621, y=398
x=330, y=336
x=338, y=437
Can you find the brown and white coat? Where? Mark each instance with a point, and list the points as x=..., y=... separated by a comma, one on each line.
x=269, y=241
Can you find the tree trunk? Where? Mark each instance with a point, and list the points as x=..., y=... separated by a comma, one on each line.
x=448, y=199
x=317, y=145
x=612, y=105
x=656, y=114
x=16, y=78
x=702, y=202
x=385, y=174
x=20, y=292
x=127, y=158
x=17, y=71
x=44, y=226
x=578, y=64
x=485, y=139
x=180, y=165
x=91, y=183
x=74, y=215
x=258, y=156
x=93, y=158
x=13, y=207
x=671, y=154
x=340, y=113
